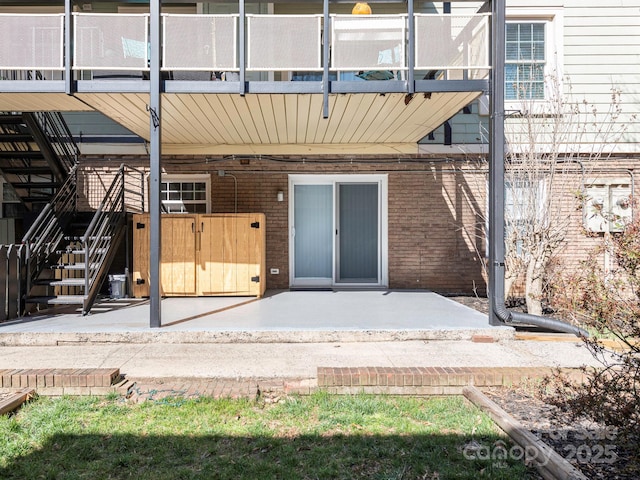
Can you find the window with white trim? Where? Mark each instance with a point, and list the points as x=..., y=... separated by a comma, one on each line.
x=524, y=208
x=525, y=62
x=186, y=193
x=524, y=201
x=534, y=49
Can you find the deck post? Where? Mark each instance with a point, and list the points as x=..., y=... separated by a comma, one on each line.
x=242, y=28
x=325, y=59
x=69, y=82
x=155, y=319
x=411, y=54
x=496, y=161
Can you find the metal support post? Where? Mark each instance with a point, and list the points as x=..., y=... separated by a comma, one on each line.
x=242, y=26
x=326, y=32
x=496, y=161
x=69, y=82
x=155, y=319
x=411, y=54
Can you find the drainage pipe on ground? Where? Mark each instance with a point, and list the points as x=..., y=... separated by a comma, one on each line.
x=518, y=318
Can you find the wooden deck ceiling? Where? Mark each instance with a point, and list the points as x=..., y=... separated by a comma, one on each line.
x=261, y=123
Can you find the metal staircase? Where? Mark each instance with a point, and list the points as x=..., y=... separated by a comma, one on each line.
x=63, y=268
x=37, y=153
x=65, y=254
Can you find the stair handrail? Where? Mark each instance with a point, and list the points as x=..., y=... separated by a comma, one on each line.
x=46, y=232
x=107, y=223
x=60, y=138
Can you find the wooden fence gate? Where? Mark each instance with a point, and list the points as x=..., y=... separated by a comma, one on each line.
x=203, y=255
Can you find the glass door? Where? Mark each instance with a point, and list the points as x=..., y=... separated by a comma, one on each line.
x=312, y=235
x=358, y=233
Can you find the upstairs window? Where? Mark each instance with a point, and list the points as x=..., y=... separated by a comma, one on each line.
x=525, y=61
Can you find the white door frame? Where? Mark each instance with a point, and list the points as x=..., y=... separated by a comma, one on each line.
x=383, y=216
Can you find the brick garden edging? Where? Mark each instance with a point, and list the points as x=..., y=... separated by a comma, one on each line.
x=62, y=381
x=336, y=380
x=341, y=380
x=424, y=380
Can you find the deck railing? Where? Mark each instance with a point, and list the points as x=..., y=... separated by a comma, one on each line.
x=203, y=46
x=31, y=42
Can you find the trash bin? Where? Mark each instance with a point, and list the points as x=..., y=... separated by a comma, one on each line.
x=117, y=285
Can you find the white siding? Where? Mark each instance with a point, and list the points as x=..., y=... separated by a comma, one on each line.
x=600, y=51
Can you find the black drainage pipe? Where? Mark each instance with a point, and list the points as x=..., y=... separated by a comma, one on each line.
x=517, y=318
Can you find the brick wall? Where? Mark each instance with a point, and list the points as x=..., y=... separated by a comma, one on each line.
x=436, y=220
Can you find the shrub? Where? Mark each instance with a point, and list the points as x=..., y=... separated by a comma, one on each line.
x=607, y=303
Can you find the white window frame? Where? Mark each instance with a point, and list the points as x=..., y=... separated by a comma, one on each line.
x=536, y=65
x=188, y=178
x=513, y=218
x=554, y=51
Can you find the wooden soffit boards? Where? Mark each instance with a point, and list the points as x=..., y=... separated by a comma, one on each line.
x=274, y=123
x=41, y=102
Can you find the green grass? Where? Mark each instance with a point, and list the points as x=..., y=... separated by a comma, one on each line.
x=317, y=437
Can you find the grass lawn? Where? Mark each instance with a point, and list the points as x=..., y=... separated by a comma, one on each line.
x=317, y=437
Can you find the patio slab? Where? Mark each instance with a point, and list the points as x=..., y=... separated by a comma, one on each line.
x=291, y=360
x=281, y=316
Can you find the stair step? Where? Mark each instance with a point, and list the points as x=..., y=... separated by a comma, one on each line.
x=67, y=282
x=23, y=166
x=28, y=154
x=35, y=184
x=24, y=170
x=77, y=239
x=82, y=252
x=62, y=282
x=11, y=119
x=40, y=199
x=57, y=300
x=72, y=266
x=15, y=137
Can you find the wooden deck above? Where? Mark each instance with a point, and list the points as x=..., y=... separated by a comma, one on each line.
x=267, y=123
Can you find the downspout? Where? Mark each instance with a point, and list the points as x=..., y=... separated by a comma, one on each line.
x=498, y=313
x=518, y=318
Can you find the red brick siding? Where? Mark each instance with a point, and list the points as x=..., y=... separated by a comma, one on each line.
x=436, y=220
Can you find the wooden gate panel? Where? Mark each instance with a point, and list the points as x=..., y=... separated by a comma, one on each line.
x=178, y=268
x=206, y=254
x=211, y=261
x=257, y=255
x=230, y=273
x=141, y=243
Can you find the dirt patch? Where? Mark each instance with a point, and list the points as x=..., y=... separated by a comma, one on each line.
x=480, y=304
x=596, y=450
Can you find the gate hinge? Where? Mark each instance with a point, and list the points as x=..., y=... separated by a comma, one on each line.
x=255, y=225
x=255, y=279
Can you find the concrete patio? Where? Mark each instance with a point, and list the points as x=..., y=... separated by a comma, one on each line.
x=291, y=342
x=281, y=316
